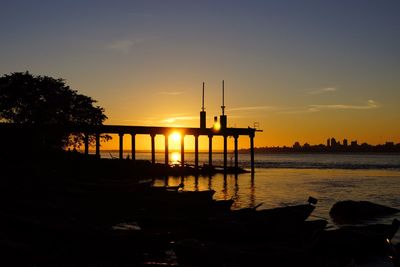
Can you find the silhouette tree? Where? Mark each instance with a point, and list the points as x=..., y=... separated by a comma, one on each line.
x=45, y=101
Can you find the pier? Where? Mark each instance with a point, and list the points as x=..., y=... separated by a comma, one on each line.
x=89, y=131
x=152, y=131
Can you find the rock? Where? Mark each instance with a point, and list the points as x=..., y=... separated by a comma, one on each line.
x=352, y=211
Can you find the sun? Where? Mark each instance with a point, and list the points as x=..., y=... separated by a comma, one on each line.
x=176, y=136
x=216, y=127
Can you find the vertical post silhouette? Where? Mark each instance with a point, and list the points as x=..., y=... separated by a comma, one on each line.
x=196, y=151
x=133, y=146
x=236, y=151
x=202, y=113
x=210, y=150
x=183, y=150
x=153, y=148
x=252, y=152
x=121, y=145
x=166, y=149
x=223, y=118
x=225, y=151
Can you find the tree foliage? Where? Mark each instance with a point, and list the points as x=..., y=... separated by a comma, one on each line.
x=43, y=100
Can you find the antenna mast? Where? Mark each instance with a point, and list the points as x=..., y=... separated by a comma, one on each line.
x=202, y=112
x=202, y=103
x=223, y=98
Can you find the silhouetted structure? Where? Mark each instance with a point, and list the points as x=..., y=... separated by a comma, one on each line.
x=345, y=142
x=202, y=113
x=133, y=131
x=30, y=135
x=332, y=146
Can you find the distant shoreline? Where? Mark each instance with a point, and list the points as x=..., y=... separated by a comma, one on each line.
x=256, y=151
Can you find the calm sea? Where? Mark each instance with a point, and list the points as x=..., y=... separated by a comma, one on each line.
x=286, y=179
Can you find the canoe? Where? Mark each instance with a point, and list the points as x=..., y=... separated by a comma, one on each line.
x=249, y=223
x=286, y=215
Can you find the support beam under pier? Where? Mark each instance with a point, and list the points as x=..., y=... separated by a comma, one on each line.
x=121, y=146
x=236, y=151
x=153, y=148
x=210, y=137
x=166, y=150
x=196, y=151
x=225, y=152
x=183, y=150
x=252, y=153
x=133, y=146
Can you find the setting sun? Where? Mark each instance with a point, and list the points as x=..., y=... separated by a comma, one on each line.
x=176, y=136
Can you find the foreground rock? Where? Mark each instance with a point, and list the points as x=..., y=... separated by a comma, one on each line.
x=349, y=211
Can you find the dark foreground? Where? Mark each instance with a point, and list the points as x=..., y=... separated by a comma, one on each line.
x=80, y=212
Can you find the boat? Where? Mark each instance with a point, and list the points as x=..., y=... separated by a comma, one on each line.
x=361, y=241
x=293, y=248
x=167, y=188
x=249, y=223
x=350, y=211
x=280, y=215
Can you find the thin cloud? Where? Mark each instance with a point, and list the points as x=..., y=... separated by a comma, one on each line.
x=124, y=46
x=149, y=121
x=371, y=104
x=179, y=118
x=251, y=108
x=322, y=90
x=170, y=93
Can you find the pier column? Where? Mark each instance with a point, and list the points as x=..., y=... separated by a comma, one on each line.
x=86, y=140
x=252, y=152
x=183, y=150
x=133, y=146
x=121, y=145
x=166, y=150
x=210, y=150
x=97, y=145
x=225, y=152
x=153, y=148
x=196, y=151
x=236, y=151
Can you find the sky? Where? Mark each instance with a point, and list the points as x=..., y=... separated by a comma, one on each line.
x=304, y=70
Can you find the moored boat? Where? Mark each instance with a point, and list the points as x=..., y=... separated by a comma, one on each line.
x=360, y=241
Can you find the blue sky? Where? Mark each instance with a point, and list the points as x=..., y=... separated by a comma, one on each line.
x=306, y=70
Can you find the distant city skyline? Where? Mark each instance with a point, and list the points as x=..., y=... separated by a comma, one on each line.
x=303, y=70
x=332, y=146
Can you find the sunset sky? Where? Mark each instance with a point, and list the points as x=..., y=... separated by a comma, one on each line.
x=305, y=70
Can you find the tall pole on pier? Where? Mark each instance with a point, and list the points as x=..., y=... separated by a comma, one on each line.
x=202, y=112
x=222, y=118
x=223, y=97
x=202, y=100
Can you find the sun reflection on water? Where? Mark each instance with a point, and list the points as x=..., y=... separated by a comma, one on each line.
x=175, y=158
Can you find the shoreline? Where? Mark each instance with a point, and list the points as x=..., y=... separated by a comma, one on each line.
x=74, y=204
